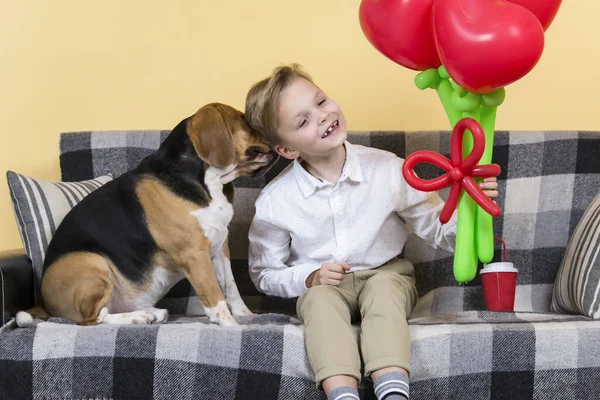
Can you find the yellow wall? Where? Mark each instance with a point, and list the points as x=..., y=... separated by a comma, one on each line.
x=77, y=65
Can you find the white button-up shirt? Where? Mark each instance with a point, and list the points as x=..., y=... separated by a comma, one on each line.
x=302, y=222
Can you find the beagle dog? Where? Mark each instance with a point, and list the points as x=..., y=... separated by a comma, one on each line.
x=125, y=245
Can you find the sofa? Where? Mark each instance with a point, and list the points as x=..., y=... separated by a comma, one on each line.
x=458, y=349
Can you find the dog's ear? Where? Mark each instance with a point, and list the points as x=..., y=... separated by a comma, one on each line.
x=211, y=133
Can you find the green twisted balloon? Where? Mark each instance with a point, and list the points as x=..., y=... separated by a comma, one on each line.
x=474, y=231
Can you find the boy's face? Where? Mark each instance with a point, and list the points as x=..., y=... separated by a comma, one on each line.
x=310, y=123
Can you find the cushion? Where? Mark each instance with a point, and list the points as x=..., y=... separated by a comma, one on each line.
x=577, y=284
x=40, y=207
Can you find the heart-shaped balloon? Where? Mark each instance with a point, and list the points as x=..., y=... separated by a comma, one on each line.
x=486, y=45
x=544, y=10
x=401, y=31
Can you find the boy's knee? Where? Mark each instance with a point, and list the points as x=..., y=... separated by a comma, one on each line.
x=387, y=281
x=321, y=296
x=388, y=285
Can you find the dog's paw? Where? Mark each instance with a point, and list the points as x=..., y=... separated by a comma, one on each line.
x=220, y=315
x=162, y=315
x=24, y=319
x=228, y=322
x=134, y=317
x=102, y=315
x=142, y=317
x=239, y=309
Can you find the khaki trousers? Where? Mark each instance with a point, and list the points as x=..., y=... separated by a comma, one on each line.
x=382, y=299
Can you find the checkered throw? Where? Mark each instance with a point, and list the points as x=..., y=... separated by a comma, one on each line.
x=474, y=355
x=547, y=181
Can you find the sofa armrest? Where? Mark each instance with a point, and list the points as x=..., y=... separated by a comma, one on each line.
x=16, y=284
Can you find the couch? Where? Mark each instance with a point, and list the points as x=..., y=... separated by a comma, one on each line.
x=458, y=349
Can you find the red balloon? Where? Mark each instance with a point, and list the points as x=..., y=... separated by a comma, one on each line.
x=544, y=10
x=459, y=173
x=401, y=30
x=486, y=45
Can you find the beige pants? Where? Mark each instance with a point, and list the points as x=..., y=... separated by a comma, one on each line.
x=382, y=298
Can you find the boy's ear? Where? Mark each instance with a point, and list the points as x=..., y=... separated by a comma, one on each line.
x=287, y=152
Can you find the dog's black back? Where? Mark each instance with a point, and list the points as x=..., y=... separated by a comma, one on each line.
x=110, y=221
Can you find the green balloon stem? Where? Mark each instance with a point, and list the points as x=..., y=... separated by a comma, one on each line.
x=488, y=123
x=444, y=91
x=465, y=259
x=484, y=229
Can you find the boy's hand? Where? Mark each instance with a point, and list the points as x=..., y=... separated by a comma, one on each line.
x=328, y=274
x=489, y=186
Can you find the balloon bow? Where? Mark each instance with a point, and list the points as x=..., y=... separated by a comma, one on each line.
x=459, y=172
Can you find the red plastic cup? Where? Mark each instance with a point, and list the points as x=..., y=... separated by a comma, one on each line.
x=499, y=282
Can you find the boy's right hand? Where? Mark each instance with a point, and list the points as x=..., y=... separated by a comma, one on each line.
x=328, y=274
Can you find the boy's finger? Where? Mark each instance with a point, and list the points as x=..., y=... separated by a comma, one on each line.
x=333, y=282
x=335, y=275
x=492, y=179
x=343, y=267
x=326, y=267
x=335, y=268
x=491, y=193
x=489, y=185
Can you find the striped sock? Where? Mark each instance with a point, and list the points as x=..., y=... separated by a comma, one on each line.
x=343, y=393
x=391, y=386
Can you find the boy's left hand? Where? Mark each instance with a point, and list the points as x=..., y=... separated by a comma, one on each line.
x=489, y=186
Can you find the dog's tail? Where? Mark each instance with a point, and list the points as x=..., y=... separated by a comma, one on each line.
x=26, y=319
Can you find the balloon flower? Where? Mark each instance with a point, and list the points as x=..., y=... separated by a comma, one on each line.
x=467, y=51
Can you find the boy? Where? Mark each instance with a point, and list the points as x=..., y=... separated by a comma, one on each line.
x=328, y=230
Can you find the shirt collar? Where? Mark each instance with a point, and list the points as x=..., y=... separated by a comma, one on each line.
x=351, y=171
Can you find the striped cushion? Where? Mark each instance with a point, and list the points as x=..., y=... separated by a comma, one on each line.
x=577, y=285
x=39, y=208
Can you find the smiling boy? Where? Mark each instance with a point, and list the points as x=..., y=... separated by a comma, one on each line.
x=329, y=230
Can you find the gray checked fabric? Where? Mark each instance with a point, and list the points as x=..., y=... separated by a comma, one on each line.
x=547, y=181
x=457, y=351
x=469, y=355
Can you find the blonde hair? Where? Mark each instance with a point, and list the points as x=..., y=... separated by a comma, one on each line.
x=262, y=100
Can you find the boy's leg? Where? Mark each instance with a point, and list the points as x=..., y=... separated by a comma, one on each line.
x=386, y=300
x=331, y=342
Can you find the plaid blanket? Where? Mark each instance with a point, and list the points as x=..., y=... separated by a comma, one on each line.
x=547, y=181
x=474, y=355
